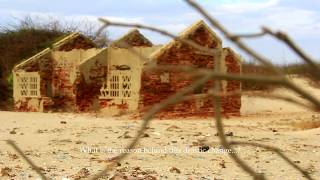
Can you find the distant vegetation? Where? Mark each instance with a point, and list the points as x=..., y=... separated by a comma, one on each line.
x=297, y=69
x=18, y=42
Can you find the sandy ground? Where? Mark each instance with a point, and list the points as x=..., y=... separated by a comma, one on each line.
x=77, y=145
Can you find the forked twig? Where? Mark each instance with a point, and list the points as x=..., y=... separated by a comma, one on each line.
x=278, y=152
x=219, y=125
x=294, y=47
x=253, y=53
x=241, y=45
x=259, y=58
x=278, y=80
x=284, y=37
x=239, y=36
x=230, y=36
x=203, y=71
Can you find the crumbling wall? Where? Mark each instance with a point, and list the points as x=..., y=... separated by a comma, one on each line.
x=68, y=81
x=124, y=73
x=92, y=75
x=46, y=73
x=27, y=104
x=59, y=71
x=231, y=104
x=159, y=85
x=43, y=66
x=122, y=59
x=63, y=86
x=65, y=72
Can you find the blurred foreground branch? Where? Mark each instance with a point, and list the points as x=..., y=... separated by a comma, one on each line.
x=206, y=75
x=31, y=163
x=278, y=152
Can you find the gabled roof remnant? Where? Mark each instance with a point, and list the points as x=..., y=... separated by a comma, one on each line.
x=132, y=38
x=55, y=46
x=194, y=27
x=237, y=56
x=184, y=35
x=33, y=58
x=99, y=50
x=63, y=44
x=69, y=38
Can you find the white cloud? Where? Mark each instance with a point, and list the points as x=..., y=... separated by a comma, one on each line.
x=245, y=6
x=297, y=21
x=91, y=18
x=301, y=19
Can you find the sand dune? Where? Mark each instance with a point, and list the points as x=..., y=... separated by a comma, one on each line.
x=256, y=105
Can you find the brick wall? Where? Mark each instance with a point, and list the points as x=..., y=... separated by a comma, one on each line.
x=57, y=90
x=231, y=104
x=72, y=95
x=44, y=67
x=154, y=91
x=87, y=94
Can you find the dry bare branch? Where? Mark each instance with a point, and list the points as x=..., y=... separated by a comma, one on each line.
x=238, y=36
x=158, y=30
x=294, y=47
x=258, y=94
x=241, y=45
x=197, y=71
x=278, y=152
x=230, y=36
x=284, y=37
x=31, y=163
x=253, y=53
x=217, y=75
x=259, y=58
x=279, y=97
x=278, y=80
x=219, y=124
x=224, y=76
x=178, y=97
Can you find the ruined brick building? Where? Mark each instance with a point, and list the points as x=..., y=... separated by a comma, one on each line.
x=157, y=85
x=58, y=78
x=75, y=75
x=120, y=92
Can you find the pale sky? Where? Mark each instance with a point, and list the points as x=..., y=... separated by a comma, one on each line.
x=300, y=18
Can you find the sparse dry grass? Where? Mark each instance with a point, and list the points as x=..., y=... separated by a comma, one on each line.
x=248, y=68
x=300, y=69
